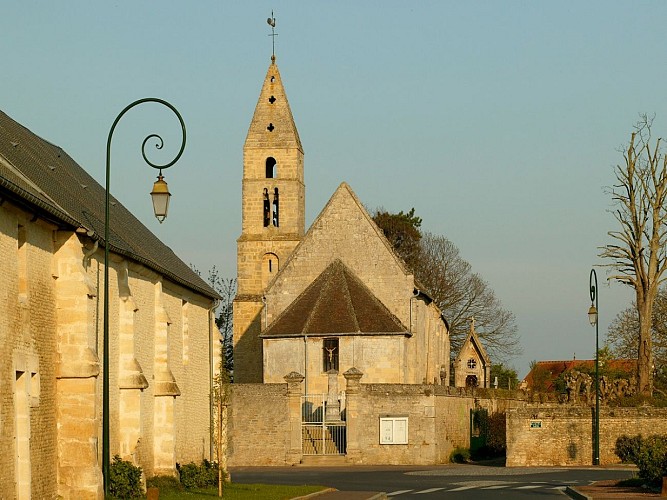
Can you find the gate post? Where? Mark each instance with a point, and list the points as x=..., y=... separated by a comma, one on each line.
x=294, y=393
x=352, y=403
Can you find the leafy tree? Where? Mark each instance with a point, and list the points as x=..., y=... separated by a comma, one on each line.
x=449, y=280
x=638, y=254
x=403, y=232
x=507, y=377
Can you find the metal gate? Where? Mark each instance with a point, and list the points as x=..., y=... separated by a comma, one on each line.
x=323, y=430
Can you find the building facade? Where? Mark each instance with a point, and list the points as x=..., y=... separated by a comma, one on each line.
x=333, y=298
x=161, y=332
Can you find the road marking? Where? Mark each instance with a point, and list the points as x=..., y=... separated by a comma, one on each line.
x=430, y=490
x=561, y=488
x=399, y=492
x=464, y=488
x=497, y=487
x=529, y=487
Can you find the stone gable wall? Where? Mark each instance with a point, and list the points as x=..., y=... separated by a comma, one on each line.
x=343, y=231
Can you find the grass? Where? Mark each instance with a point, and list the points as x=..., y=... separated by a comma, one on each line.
x=237, y=491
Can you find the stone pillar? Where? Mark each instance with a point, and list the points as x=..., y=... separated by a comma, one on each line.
x=294, y=393
x=352, y=403
x=333, y=403
x=77, y=369
x=165, y=391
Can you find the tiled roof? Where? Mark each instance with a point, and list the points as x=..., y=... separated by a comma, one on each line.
x=44, y=178
x=555, y=368
x=336, y=303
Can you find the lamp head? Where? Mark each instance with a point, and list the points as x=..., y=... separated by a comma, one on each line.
x=593, y=315
x=160, y=196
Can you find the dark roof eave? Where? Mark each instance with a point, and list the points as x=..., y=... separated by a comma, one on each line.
x=20, y=196
x=29, y=202
x=344, y=334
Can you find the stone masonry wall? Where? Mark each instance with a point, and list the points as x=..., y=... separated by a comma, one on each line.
x=27, y=347
x=566, y=433
x=258, y=425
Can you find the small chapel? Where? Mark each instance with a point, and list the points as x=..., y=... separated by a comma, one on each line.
x=330, y=299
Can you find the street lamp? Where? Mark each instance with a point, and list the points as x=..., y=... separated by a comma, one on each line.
x=160, y=196
x=593, y=318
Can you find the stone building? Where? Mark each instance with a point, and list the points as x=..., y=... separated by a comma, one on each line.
x=51, y=293
x=333, y=298
x=472, y=366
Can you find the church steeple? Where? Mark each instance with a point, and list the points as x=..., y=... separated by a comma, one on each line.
x=273, y=216
x=273, y=164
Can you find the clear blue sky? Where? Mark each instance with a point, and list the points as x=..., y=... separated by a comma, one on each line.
x=499, y=122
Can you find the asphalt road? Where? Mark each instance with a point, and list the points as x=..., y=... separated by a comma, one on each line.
x=450, y=481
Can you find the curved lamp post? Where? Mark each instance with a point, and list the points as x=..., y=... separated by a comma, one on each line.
x=593, y=318
x=160, y=196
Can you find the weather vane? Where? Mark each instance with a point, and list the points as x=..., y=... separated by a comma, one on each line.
x=272, y=22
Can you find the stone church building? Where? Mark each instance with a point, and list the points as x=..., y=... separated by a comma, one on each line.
x=161, y=332
x=333, y=298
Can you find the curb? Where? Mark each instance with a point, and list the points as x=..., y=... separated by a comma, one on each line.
x=574, y=493
x=316, y=494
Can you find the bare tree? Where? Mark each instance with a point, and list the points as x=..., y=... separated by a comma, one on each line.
x=460, y=294
x=449, y=280
x=623, y=336
x=638, y=253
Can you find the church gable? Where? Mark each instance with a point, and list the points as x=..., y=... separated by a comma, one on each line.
x=472, y=366
x=344, y=231
x=336, y=303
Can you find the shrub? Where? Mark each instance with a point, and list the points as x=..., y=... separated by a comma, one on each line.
x=651, y=459
x=124, y=479
x=650, y=455
x=627, y=448
x=165, y=483
x=198, y=476
x=460, y=455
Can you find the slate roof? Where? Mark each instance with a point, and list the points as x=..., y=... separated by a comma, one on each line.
x=336, y=303
x=43, y=178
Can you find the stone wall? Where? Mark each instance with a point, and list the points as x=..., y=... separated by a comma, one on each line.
x=51, y=336
x=264, y=421
x=563, y=435
x=27, y=356
x=258, y=425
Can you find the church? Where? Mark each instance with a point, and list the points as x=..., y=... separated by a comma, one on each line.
x=326, y=300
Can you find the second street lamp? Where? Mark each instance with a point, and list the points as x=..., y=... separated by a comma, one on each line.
x=160, y=196
x=593, y=318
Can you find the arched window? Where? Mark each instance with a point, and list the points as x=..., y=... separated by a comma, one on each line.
x=267, y=208
x=270, y=266
x=270, y=167
x=276, y=219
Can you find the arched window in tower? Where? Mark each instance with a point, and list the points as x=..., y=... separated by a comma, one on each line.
x=276, y=217
x=267, y=208
x=270, y=266
x=270, y=167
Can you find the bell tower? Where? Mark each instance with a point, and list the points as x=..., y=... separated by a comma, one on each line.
x=273, y=216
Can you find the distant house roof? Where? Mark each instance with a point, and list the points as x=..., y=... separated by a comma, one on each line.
x=336, y=303
x=43, y=178
x=555, y=368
